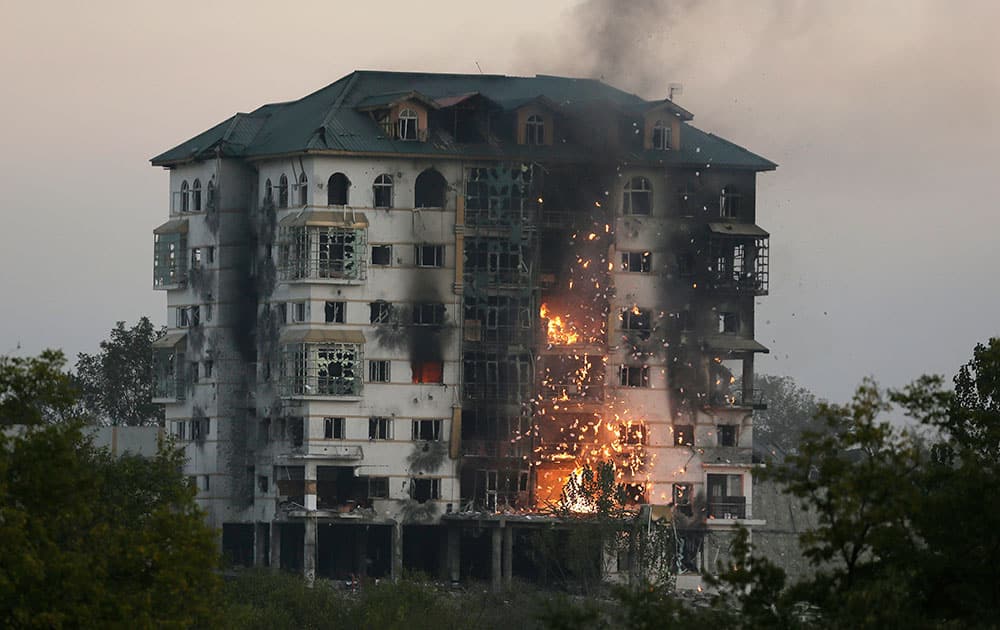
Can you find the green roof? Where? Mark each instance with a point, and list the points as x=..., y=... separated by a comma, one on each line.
x=331, y=120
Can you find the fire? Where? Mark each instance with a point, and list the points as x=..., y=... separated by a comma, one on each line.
x=559, y=330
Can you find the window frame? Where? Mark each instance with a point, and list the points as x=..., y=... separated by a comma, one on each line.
x=380, y=428
x=637, y=187
x=534, y=130
x=383, y=183
x=408, y=125
x=379, y=371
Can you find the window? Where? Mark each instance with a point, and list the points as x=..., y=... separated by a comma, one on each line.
x=207, y=368
x=661, y=136
x=378, y=487
x=534, y=130
x=210, y=200
x=262, y=483
x=205, y=482
x=333, y=312
x=637, y=320
x=188, y=316
x=382, y=255
x=281, y=312
x=381, y=311
x=185, y=197
x=382, y=191
x=427, y=371
x=423, y=490
x=429, y=255
x=379, y=428
x=338, y=370
x=638, y=197
x=268, y=193
x=199, y=428
x=181, y=432
x=300, y=312
x=729, y=204
x=195, y=257
x=726, y=434
x=337, y=188
x=283, y=191
x=636, y=262
x=196, y=195
x=303, y=189
x=427, y=430
x=633, y=376
x=685, y=265
x=686, y=321
x=378, y=371
x=632, y=433
x=211, y=254
x=428, y=314
x=333, y=428
x=683, y=435
x=682, y=498
x=407, y=127
x=429, y=190
x=729, y=323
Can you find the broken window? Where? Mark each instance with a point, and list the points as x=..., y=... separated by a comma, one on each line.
x=637, y=320
x=682, y=494
x=427, y=371
x=632, y=433
x=382, y=255
x=729, y=204
x=429, y=255
x=429, y=190
x=321, y=252
x=423, y=490
x=729, y=323
x=333, y=428
x=635, y=493
x=379, y=428
x=168, y=259
x=683, y=435
x=382, y=191
x=636, y=262
x=633, y=376
x=378, y=487
x=168, y=374
x=534, y=130
x=381, y=311
x=427, y=430
x=428, y=314
x=661, y=136
x=333, y=312
x=477, y=190
x=283, y=191
x=303, y=189
x=407, y=125
x=185, y=197
x=726, y=434
x=638, y=197
x=325, y=369
x=337, y=188
x=378, y=371
x=196, y=196
x=337, y=369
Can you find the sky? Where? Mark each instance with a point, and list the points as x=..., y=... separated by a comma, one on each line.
x=881, y=116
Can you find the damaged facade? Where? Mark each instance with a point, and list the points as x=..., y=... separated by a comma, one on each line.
x=406, y=309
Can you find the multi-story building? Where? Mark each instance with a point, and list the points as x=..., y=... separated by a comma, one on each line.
x=406, y=308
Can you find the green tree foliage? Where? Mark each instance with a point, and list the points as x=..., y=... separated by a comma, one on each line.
x=791, y=410
x=116, y=384
x=90, y=540
x=36, y=390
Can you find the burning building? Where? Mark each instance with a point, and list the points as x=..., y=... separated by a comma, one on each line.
x=405, y=310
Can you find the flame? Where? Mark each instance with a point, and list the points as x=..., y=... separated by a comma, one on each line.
x=559, y=331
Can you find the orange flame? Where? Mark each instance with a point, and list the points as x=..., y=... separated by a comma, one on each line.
x=559, y=331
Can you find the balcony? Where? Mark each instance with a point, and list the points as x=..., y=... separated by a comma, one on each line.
x=170, y=255
x=727, y=507
x=740, y=399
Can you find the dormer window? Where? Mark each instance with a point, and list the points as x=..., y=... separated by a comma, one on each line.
x=407, y=125
x=661, y=136
x=534, y=130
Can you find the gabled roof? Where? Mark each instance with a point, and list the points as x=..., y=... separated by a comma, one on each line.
x=336, y=118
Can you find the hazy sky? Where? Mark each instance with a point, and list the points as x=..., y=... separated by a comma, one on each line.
x=881, y=116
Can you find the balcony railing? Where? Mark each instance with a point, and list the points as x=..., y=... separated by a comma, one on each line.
x=727, y=507
x=753, y=399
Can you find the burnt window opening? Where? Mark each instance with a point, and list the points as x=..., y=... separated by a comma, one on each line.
x=636, y=262
x=382, y=191
x=207, y=369
x=322, y=252
x=637, y=320
x=283, y=191
x=195, y=257
x=303, y=189
x=661, y=136
x=295, y=431
x=333, y=428
x=726, y=434
x=337, y=189
x=429, y=190
x=427, y=430
x=196, y=196
x=326, y=369
x=263, y=483
x=406, y=128
x=291, y=483
x=379, y=428
x=638, y=197
x=729, y=204
x=185, y=197
x=428, y=314
x=683, y=435
x=635, y=493
x=477, y=190
x=429, y=255
x=682, y=495
x=633, y=433
x=685, y=265
x=264, y=431
x=427, y=371
x=381, y=311
x=382, y=255
x=534, y=130
x=423, y=490
x=378, y=371
x=378, y=487
x=633, y=376
x=729, y=323
x=334, y=312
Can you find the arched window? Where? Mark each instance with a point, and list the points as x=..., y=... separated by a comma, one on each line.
x=283, y=191
x=534, y=130
x=407, y=125
x=336, y=190
x=268, y=192
x=638, y=198
x=382, y=191
x=196, y=195
x=661, y=136
x=210, y=197
x=429, y=191
x=303, y=189
x=185, y=197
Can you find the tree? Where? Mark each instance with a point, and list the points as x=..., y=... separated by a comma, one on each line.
x=116, y=384
x=36, y=390
x=791, y=410
x=90, y=540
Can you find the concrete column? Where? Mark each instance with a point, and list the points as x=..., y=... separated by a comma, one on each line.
x=508, y=561
x=496, y=575
x=454, y=553
x=310, y=486
x=309, y=551
x=397, y=551
x=275, y=546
